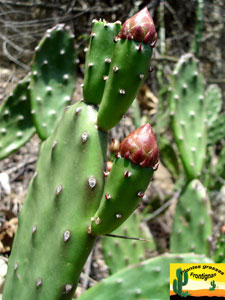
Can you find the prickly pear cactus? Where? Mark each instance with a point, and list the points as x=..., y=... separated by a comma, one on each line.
x=188, y=114
x=52, y=78
x=213, y=98
x=135, y=41
x=216, y=133
x=52, y=242
x=129, y=177
x=16, y=125
x=219, y=255
x=192, y=226
x=121, y=252
x=147, y=280
x=98, y=59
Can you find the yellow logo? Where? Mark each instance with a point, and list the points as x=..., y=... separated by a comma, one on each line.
x=197, y=280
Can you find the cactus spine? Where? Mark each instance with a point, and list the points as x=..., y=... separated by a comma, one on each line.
x=179, y=283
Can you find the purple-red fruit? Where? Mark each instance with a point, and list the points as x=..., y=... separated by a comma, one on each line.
x=140, y=28
x=140, y=147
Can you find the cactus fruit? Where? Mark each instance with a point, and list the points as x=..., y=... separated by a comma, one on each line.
x=219, y=255
x=121, y=252
x=52, y=78
x=98, y=59
x=128, y=179
x=52, y=241
x=192, y=226
x=16, y=126
x=147, y=280
x=179, y=283
x=125, y=74
x=212, y=285
x=188, y=113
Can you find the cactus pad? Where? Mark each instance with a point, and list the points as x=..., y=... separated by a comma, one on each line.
x=16, y=126
x=52, y=242
x=188, y=113
x=192, y=226
x=52, y=78
x=98, y=59
x=147, y=280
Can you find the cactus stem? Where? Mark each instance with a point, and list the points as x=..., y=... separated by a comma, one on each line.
x=92, y=182
x=66, y=236
x=39, y=282
x=59, y=189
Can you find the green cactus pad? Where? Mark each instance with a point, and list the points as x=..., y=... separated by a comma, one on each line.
x=52, y=78
x=123, y=189
x=219, y=255
x=128, y=69
x=147, y=280
x=52, y=241
x=188, y=113
x=216, y=133
x=120, y=252
x=192, y=226
x=16, y=125
x=98, y=59
x=213, y=98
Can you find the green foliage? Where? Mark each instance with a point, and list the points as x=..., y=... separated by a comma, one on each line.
x=52, y=78
x=188, y=114
x=192, y=225
x=120, y=252
x=16, y=126
x=147, y=280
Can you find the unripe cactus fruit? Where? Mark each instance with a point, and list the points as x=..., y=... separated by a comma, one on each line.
x=126, y=182
x=140, y=28
x=141, y=149
x=129, y=67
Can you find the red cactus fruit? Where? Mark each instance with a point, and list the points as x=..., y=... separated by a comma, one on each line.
x=140, y=28
x=140, y=147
